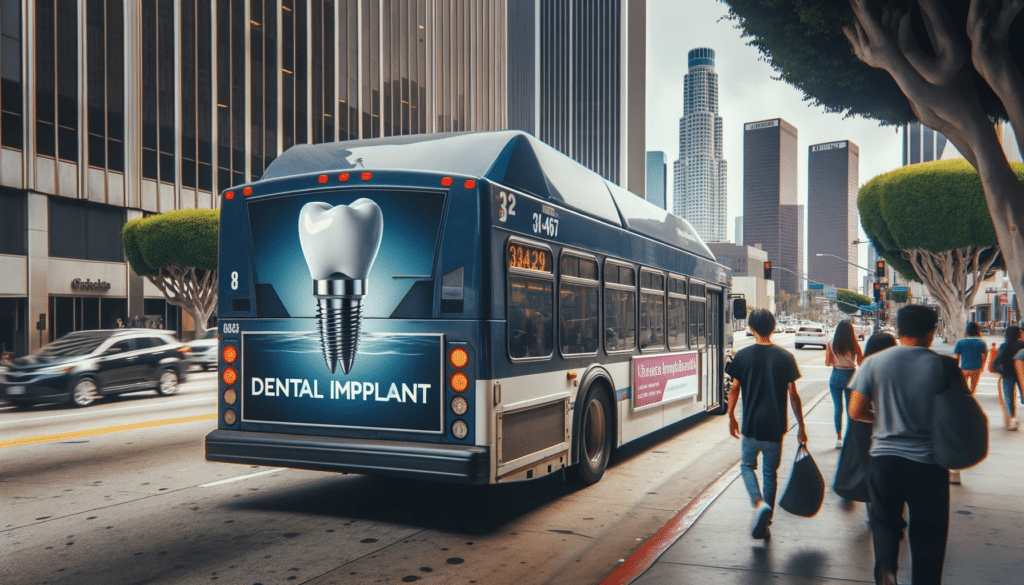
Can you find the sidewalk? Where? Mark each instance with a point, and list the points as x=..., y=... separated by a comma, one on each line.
x=986, y=527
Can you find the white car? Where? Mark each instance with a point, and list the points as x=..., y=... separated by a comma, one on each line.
x=811, y=334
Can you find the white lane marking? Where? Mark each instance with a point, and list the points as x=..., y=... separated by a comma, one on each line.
x=241, y=477
x=95, y=412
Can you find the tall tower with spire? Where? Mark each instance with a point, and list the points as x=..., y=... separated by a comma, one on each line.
x=699, y=176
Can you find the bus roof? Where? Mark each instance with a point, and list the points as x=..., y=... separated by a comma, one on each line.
x=511, y=158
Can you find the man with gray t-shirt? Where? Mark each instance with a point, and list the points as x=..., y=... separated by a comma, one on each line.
x=895, y=389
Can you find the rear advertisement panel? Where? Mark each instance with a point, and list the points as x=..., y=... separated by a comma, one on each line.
x=664, y=378
x=396, y=384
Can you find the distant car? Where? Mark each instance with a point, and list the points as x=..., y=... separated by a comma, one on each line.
x=203, y=352
x=82, y=366
x=814, y=334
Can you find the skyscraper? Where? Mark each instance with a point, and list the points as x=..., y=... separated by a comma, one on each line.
x=739, y=230
x=576, y=79
x=833, y=180
x=699, y=176
x=656, y=177
x=769, y=196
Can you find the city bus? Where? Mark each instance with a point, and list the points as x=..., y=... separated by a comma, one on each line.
x=471, y=308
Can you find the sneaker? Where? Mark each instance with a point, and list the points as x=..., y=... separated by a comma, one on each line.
x=954, y=477
x=839, y=444
x=762, y=516
x=1014, y=425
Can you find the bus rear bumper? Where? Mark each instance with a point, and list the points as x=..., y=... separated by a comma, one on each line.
x=426, y=461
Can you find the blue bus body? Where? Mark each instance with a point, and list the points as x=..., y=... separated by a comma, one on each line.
x=447, y=382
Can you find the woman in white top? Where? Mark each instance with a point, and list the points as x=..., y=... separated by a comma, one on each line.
x=844, y=355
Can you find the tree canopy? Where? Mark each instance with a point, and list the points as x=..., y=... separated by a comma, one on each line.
x=803, y=41
x=177, y=252
x=902, y=209
x=849, y=301
x=187, y=237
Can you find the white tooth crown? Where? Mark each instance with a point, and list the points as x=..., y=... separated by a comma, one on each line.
x=343, y=239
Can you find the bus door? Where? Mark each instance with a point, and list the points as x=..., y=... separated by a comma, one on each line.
x=713, y=355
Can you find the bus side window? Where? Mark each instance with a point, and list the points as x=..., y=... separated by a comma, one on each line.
x=677, y=325
x=652, y=310
x=530, y=315
x=578, y=327
x=619, y=308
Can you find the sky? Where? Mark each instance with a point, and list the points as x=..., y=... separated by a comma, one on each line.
x=747, y=92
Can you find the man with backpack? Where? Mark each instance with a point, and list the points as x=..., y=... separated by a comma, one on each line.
x=895, y=390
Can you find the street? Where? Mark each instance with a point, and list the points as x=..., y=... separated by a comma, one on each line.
x=124, y=495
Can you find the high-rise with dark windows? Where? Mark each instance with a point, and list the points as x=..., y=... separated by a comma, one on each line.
x=111, y=110
x=770, y=212
x=833, y=181
x=576, y=80
x=656, y=178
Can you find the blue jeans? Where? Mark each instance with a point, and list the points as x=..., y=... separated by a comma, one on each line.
x=1007, y=384
x=771, y=456
x=837, y=386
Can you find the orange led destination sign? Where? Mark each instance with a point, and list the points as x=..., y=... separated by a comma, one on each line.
x=529, y=258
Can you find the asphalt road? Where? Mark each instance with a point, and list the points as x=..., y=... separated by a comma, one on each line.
x=120, y=493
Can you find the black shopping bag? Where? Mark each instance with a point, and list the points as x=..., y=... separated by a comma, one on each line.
x=806, y=488
x=851, y=480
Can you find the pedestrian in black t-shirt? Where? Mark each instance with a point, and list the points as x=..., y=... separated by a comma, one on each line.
x=766, y=373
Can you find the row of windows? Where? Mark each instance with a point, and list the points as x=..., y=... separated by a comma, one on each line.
x=77, y=229
x=653, y=315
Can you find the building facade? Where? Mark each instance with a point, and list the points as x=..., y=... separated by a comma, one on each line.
x=770, y=196
x=576, y=80
x=113, y=110
x=657, y=175
x=700, y=175
x=833, y=182
x=739, y=230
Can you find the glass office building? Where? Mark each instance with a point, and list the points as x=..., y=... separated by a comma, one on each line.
x=114, y=109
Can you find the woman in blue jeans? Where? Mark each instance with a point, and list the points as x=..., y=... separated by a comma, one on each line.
x=844, y=355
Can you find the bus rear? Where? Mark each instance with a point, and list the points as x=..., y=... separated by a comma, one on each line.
x=349, y=325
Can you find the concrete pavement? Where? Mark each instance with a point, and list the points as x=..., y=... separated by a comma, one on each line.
x=986, y=528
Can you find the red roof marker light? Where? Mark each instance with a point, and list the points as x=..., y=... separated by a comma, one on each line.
x=229, y=195
x=366, y=176
x=322, y=179
x=247, y=191
x=343, y=177
x=470, y=184
x=446, y=182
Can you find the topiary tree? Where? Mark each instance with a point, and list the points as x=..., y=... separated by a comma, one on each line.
x=177, y=252
x=849, y=302
x=951, y=64
x=898, y=296
x=906, y=214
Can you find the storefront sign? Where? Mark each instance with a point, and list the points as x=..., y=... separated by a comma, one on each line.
x=89, y=285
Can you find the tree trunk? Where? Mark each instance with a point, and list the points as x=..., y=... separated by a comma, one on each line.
x=954, y=277
x=192, y=289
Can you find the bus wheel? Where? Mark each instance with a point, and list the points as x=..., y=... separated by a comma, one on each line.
x=595, y=438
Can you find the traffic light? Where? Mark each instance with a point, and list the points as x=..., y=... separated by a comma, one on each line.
x=878, y=292
x=880, y=269
x=767, y=270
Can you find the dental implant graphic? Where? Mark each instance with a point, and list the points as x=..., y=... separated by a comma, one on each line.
x=340, y=244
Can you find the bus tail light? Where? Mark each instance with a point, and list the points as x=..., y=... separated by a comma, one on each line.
x=230, y=417
x=459, y=405
x=459, y=429
x=230, y=353
x=230, y=376
x=230, y=396
x=459, y=382
x=458, y=357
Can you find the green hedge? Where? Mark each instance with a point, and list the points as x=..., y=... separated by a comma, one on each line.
x=187, y=237
x=937, y=206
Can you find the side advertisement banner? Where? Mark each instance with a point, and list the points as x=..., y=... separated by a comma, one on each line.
x=663, y=378
x=395, y=385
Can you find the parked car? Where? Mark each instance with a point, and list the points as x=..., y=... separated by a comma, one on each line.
x=203, y=352
x=82, y=366
x=813, y=334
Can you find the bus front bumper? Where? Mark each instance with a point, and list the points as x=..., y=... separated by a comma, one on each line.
x=403, y=459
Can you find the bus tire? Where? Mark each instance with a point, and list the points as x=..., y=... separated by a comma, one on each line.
x=594, y=444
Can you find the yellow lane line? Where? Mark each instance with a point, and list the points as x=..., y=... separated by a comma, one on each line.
x=103, y=431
